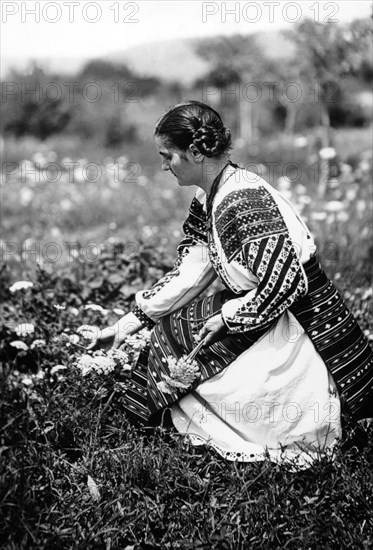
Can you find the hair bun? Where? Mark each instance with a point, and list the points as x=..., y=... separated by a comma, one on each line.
x=211, y=141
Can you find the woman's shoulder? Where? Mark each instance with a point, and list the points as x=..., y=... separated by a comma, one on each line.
x=243, y=185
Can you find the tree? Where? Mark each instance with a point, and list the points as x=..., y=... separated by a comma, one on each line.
x=236, y=62
x=326, y=55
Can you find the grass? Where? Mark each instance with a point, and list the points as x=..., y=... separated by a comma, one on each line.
x=74, y=474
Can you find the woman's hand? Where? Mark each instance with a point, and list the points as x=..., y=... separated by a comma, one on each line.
x=106, y=338
x=112, y=336
x=213, y=329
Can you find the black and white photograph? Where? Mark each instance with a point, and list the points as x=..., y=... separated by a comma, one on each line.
x=186, y=275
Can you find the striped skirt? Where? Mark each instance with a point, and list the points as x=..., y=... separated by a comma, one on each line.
x=323, y=315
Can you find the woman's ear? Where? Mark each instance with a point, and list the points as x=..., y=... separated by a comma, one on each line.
x=198, y=157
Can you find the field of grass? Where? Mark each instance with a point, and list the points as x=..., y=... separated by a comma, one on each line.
x=74, y=474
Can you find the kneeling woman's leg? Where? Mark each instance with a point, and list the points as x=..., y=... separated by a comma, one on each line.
x=174, y=336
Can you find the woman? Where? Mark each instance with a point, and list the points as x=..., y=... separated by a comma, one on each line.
x=281, y=350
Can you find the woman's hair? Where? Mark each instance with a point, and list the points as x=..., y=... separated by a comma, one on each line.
x=197, y=123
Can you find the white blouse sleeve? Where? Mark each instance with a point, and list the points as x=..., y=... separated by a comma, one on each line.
x=191, y=274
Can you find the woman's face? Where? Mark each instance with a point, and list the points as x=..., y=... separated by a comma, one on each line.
x=183, y=165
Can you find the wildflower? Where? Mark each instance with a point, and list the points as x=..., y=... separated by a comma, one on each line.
x=334, y=206
x=300, y=141
x=118, y=311
x=57, y=368
x=27, y=381
x=318, y=216
x=19, y=345
x=24, y=329
x=95, y=307
x=38, y=343
x=103, y=363
x=93, y=489
x=183, y=372
x=164, y=387
x=58, y=306
x=367, y=294
x=284, y=183
x=342, y=216
x=74, y=311
x=139, y=340
x=327, y=153
x=351, y=194
x=360, y=206
x=20, y=285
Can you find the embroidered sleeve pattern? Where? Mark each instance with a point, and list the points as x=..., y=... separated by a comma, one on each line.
x=195, y=224
x=250, y=222
x=190, y=275
x=143, y=318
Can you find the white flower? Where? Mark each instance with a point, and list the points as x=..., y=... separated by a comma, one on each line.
x=93, y=489
x=318, y=216
x=164, y=387
x=27, y=381
x=74, y=338
x=367, y=294
x=74, y=311
x=98, y=363
x=351, y=194
x=183, y=372
x=343, y=216
x=345, y=168
x=95, y=307
x=24, y=329
x=19, y=345
x=59, y=307
x=20, y=285
x=327, y=153
x=57, y=368
x=284, y=183
x=38, y=343
x=300, y=141
x=118, y=311
x=334, y=206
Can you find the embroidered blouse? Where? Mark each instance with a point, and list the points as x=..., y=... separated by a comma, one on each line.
x=256, y=244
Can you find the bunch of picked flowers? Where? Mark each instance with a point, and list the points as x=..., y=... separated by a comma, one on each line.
x=183, y=372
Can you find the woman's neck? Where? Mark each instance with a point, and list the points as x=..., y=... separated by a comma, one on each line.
x=211, y=168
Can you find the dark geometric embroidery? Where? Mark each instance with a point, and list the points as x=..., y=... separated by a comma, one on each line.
x=251, y=228
x=195, y=224
x=338, y=339
x=217, y=264
x=246, y=215
x=281, y=282
x=141, y=315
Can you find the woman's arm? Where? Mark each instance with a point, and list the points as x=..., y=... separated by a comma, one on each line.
x=258, y=229
x=190, y=276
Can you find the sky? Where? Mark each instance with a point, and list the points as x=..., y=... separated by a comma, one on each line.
x=80, y=30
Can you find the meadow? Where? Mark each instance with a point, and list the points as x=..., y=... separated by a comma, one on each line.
x=93, y=228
